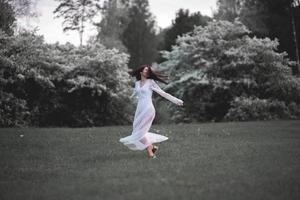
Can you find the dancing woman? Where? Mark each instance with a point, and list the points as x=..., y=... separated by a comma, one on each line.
x=140, y=138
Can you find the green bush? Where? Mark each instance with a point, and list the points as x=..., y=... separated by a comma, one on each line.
x=13, y=111
x=253, y=108
x=63, y=85
x=216, y=64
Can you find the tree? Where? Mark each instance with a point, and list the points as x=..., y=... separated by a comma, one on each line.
x=183, y=23
x=113, y=23
x=222, y=72
x=295, y=4
x=7, y=17
x=24, y=8
x=228, y=9
x=139, y=37
x=61, y=85
x=76, y=14
x=265, y=18
x=252, y=13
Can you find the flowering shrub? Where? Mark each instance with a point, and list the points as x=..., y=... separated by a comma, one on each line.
x=214, y=65
x=62, y=85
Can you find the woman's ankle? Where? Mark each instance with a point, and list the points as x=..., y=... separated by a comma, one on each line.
x=149, y=150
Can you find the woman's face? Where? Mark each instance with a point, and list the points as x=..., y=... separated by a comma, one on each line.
x=145, y=72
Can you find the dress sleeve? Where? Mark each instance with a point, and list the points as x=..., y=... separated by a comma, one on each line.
x=155, y=87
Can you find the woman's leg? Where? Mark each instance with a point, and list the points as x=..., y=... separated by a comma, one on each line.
x=149, y=150
x=144, y=127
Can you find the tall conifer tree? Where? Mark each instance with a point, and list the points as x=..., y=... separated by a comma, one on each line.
x=139, y=37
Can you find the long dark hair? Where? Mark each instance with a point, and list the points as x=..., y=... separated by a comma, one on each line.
x=155, y=75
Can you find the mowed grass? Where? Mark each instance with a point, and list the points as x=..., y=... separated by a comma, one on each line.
x=248, y=160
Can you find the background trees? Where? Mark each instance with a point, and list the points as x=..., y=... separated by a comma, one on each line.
x=139, y=37
x=184, y=22
x=114, y=21
x=61, y=85
x=76, y=13
x=265, y=18
x=24, y=8
x=231, y=67
x=222, y=72
x=7, y=17
x=129, y=26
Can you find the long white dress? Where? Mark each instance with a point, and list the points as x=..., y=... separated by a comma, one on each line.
x=141, y=138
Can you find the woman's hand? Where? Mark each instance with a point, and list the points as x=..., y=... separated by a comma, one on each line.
x=179, y=103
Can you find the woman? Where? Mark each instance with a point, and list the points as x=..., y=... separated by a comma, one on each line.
x=140, y=138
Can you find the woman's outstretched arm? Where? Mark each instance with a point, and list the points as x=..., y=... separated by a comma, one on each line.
x=134, y=94
x=155, y=87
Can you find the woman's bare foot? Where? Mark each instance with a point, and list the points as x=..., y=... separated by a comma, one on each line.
x=150, y=151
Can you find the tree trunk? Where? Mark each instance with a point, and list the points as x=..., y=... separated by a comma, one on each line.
x=80, y=37
x=295, y=40
x=81, y=25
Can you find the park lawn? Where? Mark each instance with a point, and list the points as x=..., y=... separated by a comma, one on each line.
x=244, y=160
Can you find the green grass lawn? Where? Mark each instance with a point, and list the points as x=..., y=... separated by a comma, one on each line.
x=249, y=160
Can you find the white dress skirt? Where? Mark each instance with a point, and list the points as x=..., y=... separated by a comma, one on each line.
x=140, y=137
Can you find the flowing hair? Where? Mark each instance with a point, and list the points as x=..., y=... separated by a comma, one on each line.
x=155, y=75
